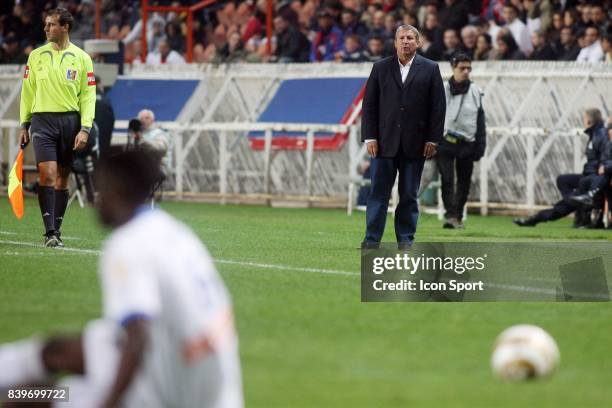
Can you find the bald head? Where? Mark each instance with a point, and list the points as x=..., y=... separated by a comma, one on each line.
x=147, y=117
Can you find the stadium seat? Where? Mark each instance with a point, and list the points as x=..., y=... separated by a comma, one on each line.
x=312, y=100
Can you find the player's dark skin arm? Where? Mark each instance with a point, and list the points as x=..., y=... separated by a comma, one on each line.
x=131, y=358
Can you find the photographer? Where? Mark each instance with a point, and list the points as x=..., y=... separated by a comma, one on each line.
x=152, y=138
x=464, y=139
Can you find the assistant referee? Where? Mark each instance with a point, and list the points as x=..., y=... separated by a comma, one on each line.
x=58, y=100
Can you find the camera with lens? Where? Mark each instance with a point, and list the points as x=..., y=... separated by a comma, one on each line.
x=135, y=125
x=134, y=132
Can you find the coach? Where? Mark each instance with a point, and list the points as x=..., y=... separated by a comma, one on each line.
x=58, y=100
x=403, y=121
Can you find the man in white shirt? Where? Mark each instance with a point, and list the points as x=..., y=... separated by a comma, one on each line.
x=592, y=51
x=165, y=55
x=154, y=139
x=167, y=338
x=519, y=30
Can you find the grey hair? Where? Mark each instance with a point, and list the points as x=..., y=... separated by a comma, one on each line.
x=595, y=115
x=408, y=27
x=146, y=112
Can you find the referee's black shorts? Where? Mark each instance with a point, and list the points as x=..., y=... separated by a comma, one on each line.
x=53, y=135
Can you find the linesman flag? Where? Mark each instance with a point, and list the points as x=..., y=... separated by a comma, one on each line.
x=15, y=189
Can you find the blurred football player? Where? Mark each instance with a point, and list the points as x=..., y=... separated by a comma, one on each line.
x=167, y=336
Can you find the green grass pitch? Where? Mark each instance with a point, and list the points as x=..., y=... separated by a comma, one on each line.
x=306, y=340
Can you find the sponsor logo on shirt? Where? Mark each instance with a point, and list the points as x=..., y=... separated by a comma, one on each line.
x=71, y=74
x=26, y=73
x=91, y=79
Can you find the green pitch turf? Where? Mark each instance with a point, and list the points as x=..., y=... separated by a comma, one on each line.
x=305, y=338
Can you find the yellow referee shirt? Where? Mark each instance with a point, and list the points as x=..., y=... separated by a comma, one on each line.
x=58, y=81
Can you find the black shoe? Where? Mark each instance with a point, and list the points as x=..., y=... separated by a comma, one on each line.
x=583, y=200
x=450, y=223
x=370, y=245
x=526, y=222
x=60, y=243
x=51, y=241
x=404, y=246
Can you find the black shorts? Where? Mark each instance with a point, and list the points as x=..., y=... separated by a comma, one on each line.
x=53, y=136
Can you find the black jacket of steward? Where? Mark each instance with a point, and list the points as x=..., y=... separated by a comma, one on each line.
x=598, y=139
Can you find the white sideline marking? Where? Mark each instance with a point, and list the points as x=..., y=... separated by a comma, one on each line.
x=289, y=268
x=32, y=245
x=517, y=288
x=220, y=261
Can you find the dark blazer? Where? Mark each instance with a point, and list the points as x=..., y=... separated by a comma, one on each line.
x=411, y=113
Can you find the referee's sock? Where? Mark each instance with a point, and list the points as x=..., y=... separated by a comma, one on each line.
x=61, y=202
x=46, y=201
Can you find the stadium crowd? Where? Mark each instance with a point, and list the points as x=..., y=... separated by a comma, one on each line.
x=328, y=30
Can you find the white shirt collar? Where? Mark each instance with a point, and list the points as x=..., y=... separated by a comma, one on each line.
x=405, y=68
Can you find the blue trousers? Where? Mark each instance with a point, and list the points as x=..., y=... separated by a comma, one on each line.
x=384, y=171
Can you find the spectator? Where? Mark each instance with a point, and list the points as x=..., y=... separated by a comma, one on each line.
x=571, y=18
x=154, y=139
x=291, y=44
x=232, y=50
x=376, y=48
x=165, y=55
x=199, y=54
x=136, y=32
x=85, y=22
x=568, y=47
x=428, y=49
x=533, y=16
x=454, y=15
x=175, y=37
x=484, y=48
x=409, y=6
x=378, y=24
x=10, y=52
x=541, y=49
x=554, y=31
x=434, y=31
x=507, y=49
x=390, y=24
x=289, y=9
x=517, y=28
x=606, y=46
x=492, y=11
x=255, y=23
x=410, y=18
x=591, y=50
x=25, y=23
x=452, y=44
x=599, y=18
x=327, y=40
x=469, y=36
x=352, y=51
x=350, y=24
x=157, y=35
x=585, y=15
